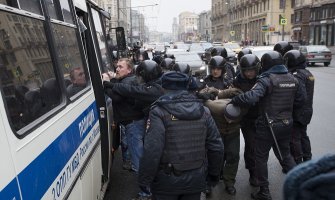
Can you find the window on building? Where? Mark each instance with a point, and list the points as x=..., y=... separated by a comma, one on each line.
x=281, y=4
x=292, y=3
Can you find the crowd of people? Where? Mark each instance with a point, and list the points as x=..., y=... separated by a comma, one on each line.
x=181, y=134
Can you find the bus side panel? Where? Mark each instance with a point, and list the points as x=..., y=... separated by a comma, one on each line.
x=50, y=172
x=8, y=183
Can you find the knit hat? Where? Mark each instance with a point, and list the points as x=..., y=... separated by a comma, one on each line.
x=232, y=112
x=175, y=81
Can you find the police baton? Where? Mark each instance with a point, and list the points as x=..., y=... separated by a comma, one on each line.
x=273, y=135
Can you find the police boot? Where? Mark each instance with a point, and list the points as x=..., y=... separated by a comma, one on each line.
x=262, y=194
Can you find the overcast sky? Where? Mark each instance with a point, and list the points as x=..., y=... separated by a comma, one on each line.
x=160, y=17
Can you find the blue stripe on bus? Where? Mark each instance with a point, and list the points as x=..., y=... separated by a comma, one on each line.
x=38, y=176
x=11, y=191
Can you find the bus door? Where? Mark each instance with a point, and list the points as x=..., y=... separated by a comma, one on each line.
x=94, y=42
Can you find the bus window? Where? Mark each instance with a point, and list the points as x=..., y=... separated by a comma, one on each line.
x=52, y=9
x=70, y=58
x=33, y=6
x=59, y=10
x=27, y=80
x=106, y=62
x=64, y=4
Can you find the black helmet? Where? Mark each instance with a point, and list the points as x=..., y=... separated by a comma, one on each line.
x=294, y=59
x=144, y=54
x=216, y=51
x=148, y=70
x=282, y=47
x=271, y=59
x=242, y=53
x=182, y=67
x=169, y=56
x=249, y=61
x=224, y=53
x=158, y=59
x=217, y=62
x=167, y=64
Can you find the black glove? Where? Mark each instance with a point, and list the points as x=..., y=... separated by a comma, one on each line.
x=212, y=180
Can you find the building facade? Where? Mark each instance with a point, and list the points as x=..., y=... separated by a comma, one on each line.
x=188, y=26
x=254, y=21
x=175, y=29
x=205, y=26
x=322, y=22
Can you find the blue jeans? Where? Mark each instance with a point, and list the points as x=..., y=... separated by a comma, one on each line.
x=135, y=136
x=124, y=144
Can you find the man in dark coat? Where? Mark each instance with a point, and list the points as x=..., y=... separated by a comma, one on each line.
x=182, y=137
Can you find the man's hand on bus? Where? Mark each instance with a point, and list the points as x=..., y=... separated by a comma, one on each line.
x=105, y=77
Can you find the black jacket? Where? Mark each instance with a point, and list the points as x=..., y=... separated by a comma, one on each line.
x=186, y=106
x=246, y=85
x=144, y=94
x=124, y=108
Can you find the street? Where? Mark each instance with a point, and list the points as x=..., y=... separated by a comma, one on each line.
x=321, y=132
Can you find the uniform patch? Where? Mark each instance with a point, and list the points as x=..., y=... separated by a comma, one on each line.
x=286, y=85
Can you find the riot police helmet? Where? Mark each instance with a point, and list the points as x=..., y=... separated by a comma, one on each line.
x=158, y=59
x=216, y=51
x=183, y=68
x=270, y=59
x=217, y=62
x=167, y=64
x=224, y=53
x=243, y=52
x=282, y=47
x=249, y=62
x=148, y=70
x=169, y=56
x=294, y=59
x=142, y=53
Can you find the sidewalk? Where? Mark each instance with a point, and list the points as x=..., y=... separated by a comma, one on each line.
x=332, y=49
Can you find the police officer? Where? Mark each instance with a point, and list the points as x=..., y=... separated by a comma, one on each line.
x=300, y=143
x=282, y=47
x=277, y=91
x=182, y=135
x=219, y=51
x=218, y=77
x=243, y=52
x=245, y=80
x=167, y=64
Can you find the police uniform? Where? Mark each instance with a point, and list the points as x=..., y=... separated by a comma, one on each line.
x=181, y=139
x=300, y=144
x=277, y=91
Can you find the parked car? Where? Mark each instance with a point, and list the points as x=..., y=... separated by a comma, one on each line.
x=259, y=51
x=200, y=48
x=316, y=54
x=197, y=66
x=233, y=46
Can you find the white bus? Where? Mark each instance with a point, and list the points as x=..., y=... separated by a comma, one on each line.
x=55, y=138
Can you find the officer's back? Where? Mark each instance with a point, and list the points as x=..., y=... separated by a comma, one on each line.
x=180, y=134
